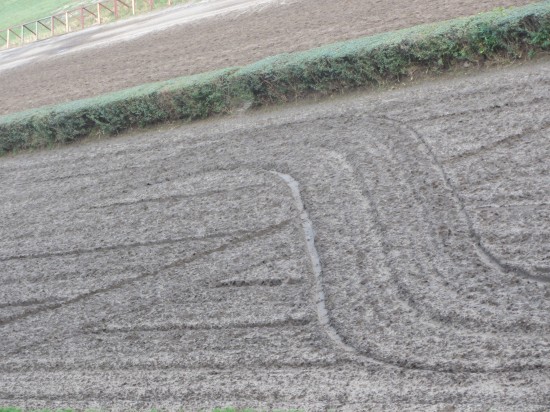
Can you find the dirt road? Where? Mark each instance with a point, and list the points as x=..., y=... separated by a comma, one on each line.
x=203, y=37
x=124, y=30
x=382, y=252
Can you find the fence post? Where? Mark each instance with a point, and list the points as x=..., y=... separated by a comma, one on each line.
x=116, y=9
x=36, y=30
x=98, y=13
x=66, y=22
x=8, y=39
x=53, y=26
x=22, y=34
x=133, y=7
x=151, y=4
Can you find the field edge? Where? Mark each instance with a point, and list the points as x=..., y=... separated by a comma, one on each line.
x=502, y=35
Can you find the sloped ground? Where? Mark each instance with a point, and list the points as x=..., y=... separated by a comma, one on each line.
x=65, y=72
x=386, y=252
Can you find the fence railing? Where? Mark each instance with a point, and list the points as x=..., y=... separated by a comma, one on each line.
x=77, y=19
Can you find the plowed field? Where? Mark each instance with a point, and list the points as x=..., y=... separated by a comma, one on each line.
x=383, y=252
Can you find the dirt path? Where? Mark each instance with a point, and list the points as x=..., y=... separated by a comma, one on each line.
x=197, y=45
x=124, y=30
x=381, y=252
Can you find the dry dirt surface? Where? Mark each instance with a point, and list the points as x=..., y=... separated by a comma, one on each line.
x=226, y=39
x=382, y=252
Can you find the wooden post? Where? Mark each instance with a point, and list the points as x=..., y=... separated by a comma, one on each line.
x=98, y=13
x=82, y=17
x=8, y=39
x=133, y=7
x=53, y=26
x=116, y=9
x=22, y=34
x=36, y=34
x=66, y=22
x=151, y=5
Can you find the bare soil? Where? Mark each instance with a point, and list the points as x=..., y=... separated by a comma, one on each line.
x=381, y=252
x=216, y=42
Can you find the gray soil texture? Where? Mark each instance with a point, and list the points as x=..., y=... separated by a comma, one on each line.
x=388, y=251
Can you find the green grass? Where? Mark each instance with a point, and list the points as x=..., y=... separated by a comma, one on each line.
x=500, y=35
x=13, y=12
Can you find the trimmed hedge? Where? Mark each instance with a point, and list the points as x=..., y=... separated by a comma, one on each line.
x=502, y=33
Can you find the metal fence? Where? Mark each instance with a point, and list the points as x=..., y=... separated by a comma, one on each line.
x=77, y=19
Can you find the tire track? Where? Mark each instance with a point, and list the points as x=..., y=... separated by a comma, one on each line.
x=30, y=302
x=487, y=148
x=486, y=109
x=288, y=321
x=247, y=236
x=486, y=255
x=323, y=315
x=319, y=297
x=309, y=235
x=161, y=242
x=167, y=199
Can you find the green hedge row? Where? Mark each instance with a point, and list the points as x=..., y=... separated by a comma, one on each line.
x=503, y=33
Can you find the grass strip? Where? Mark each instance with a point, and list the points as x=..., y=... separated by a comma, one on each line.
x=13, y=12
x=507, y=34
